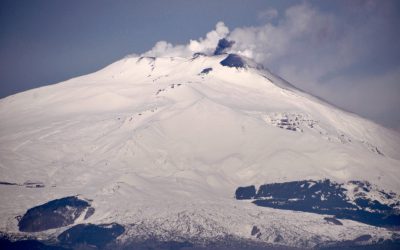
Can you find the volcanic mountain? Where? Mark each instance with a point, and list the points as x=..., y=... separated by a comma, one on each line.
x=200, y=152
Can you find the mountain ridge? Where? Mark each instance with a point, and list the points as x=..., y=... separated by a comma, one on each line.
x=151, y=139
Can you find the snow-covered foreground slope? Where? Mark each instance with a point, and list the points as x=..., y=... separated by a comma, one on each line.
x=160, y=145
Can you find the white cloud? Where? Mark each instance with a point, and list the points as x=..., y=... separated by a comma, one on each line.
x=205, y=45
x=268, y=14
x=301, y=26
x=376, y=97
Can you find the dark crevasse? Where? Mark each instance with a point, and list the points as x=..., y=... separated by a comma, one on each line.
x=322, y=197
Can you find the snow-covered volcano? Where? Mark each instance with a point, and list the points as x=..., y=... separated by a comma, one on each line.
x=160, y=145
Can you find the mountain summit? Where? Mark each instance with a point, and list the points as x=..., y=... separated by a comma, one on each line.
x=197, y=152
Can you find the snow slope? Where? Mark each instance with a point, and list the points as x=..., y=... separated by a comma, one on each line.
x=150, y=140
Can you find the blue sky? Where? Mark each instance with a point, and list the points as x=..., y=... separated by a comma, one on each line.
x=346, y=52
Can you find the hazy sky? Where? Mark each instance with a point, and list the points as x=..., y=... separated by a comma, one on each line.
x=347, y=52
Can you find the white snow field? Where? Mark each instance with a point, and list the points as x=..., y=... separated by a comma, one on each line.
x=160, y=148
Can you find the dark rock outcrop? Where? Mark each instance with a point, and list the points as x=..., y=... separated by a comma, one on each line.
x=333, y=221
x=57, y=213
x=243, y=193
x=323, y=197
x=233, y=61
x=205, y=71
x=90, y=234
x=8, y=183
x=7, y=244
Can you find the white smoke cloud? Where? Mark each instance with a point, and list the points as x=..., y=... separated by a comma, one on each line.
x=268, y=14
x=330, y=54
x=205, y=45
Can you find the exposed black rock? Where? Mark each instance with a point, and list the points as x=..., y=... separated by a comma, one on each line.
x=233, y=61
x=333, y=221
x=243, y=193
x=223, y=45
x=220, y=243
x=7, y=244
x=175, y=245
x=8, y=183
x=151, y=58
x=57, y=213
x=255, y=231
x=197, y=54
x=324, y=194
x=34, y=184
x=206, y=71
x=364, y=237
x=356, y=244
x=90, y=234
x=323, y=197
x=89, y=212
x=224, y=243
x=279, y=238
